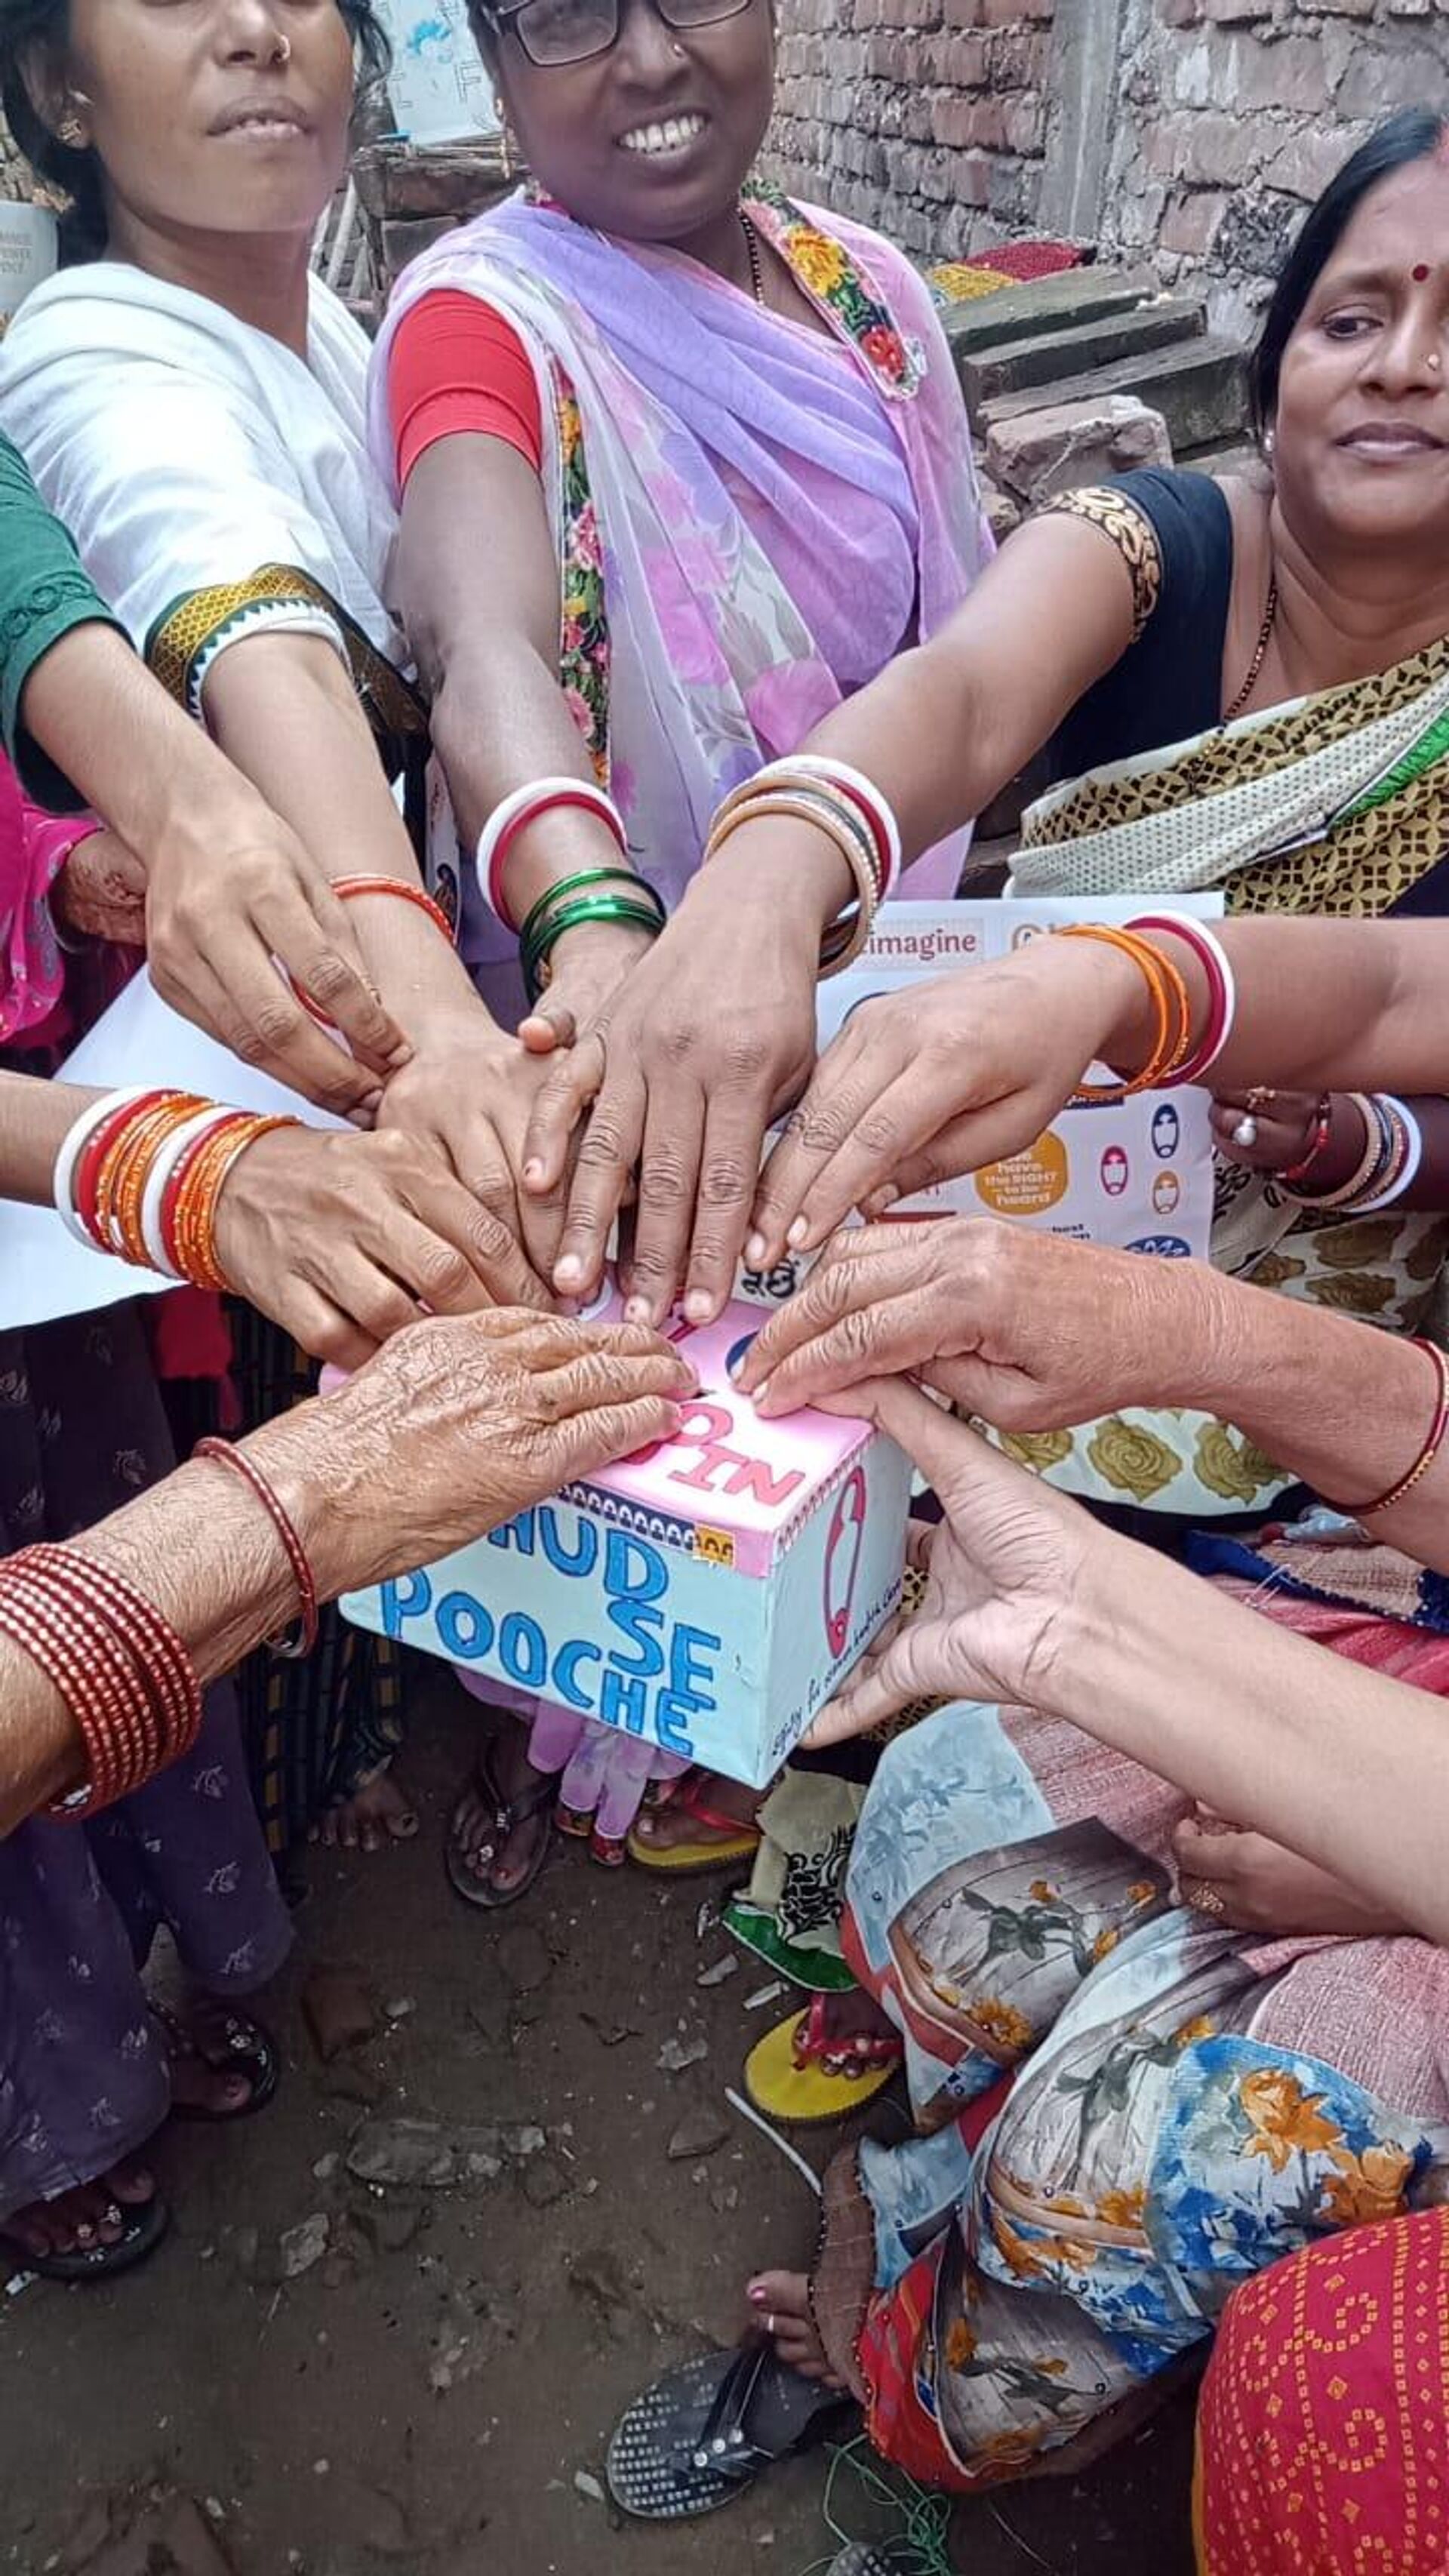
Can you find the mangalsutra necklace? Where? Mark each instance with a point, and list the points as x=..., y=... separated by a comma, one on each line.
x=752, y=253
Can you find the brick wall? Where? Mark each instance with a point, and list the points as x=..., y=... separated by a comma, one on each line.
x=925, y=117
x=1207, y=124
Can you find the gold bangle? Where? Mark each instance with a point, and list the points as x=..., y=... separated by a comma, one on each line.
x=852, y=849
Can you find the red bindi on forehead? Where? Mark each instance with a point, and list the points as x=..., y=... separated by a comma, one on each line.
x=1420, y=273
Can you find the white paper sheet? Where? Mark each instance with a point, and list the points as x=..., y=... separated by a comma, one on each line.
x=44, y=1272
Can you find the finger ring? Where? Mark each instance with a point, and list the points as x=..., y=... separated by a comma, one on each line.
x=1246, y=1132
x=1260, y=1097
x=1208, y=1899
x=770, y=2323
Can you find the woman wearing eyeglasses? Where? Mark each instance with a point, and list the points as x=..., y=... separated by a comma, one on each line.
x=680, y=465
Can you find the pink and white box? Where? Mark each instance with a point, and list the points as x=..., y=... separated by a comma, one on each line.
x=707, y=1594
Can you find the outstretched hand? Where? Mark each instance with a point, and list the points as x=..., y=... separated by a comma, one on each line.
x=1006, y=1555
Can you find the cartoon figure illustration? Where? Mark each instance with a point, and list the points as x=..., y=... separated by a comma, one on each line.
x=842, y=1558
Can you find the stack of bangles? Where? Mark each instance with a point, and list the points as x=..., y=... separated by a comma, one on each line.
x=347, y=890
x=1392, y=1152
x=850, y=811
x=140, y=1175
x=614, y=896
x=124, y=1674
x=1177, y=1054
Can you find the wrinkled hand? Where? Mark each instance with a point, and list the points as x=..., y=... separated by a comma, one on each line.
x=343, y=1238
x=939, y=1079
x=457, y=1424
x=698, y=1049
x=1266, y=1888
x=100, y=892
x=469, y=1092
x=1031, y=1331
x=226, y=911
x=1007, y=1553
x=1285, y=1121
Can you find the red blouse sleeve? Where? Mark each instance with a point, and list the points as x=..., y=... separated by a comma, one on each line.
x=456, y=364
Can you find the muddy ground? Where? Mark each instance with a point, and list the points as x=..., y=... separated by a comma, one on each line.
x=323, y=2375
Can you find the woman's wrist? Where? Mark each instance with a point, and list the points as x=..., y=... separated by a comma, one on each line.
x=321, y=1459
x=774, y=873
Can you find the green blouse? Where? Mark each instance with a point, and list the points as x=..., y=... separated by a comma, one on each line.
x=43, y=594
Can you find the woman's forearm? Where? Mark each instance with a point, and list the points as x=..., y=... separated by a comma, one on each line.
x=202, y=1549
x=1342, y=1765
x=283, y=709
x=1322, y=1005
x=34, y=1118
x=128, y=749
x=1337, y=1402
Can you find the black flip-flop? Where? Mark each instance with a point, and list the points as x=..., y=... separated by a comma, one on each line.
x=703, y=2434
x=245, y=2049
x=145, y=2224
x=508, y=1815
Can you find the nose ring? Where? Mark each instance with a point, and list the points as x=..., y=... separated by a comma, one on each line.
x=282, y=50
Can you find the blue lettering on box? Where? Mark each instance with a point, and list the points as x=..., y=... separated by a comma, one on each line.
x=670, y=1716
x=641, y=1625
x=517, y=1533
x=409, y=1598
x=689, y=1678
x=622, y=1553
x=523, y=1651
x=624, y=1702
x=464, y=1626
x=585, y=1553
x=565, y=1667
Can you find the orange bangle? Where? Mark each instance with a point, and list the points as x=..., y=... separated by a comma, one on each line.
x=1172, y=1011
x=345, y=888
x=193, y=1231
x=121, y=1179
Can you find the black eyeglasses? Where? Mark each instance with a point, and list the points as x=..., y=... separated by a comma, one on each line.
x=555, y=32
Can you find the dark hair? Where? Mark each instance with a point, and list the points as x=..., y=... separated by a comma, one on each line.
x=1413, y=135
x=31, y=28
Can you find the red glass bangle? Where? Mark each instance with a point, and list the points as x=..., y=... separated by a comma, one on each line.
x=1322, y=1130
x=345, y=888
x=1206, y=1052
x=1427, y=1454
x=158, y=1650
x=305, y=1639
x=548, y=802
x=94, y=1152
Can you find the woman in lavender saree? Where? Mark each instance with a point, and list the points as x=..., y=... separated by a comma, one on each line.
x=679, y=464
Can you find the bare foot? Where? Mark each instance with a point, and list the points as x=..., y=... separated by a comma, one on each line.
x=857, y=2025
x=504, y=1777
x=376, y=1814
x=781, y=2301
x=92, y=2214
x=665, y=1824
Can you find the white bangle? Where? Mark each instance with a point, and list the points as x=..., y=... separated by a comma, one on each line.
x=1391, y=1196
x=164, y=1164
x=73, y=1144
x=508, y=819
x=878, y=807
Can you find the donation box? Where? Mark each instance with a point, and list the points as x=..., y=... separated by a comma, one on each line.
x=706, y=1594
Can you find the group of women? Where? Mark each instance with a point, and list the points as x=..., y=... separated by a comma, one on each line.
x=647, y=534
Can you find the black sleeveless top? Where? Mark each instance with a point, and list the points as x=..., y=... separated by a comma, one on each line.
x=1168, y=684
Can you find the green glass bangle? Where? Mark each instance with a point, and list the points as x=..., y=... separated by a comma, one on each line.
x=582, y=912
x=567, y=886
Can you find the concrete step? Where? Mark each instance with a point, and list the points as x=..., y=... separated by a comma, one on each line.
x=1040, y=357
x=1201, y=390
x=1058, y=303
